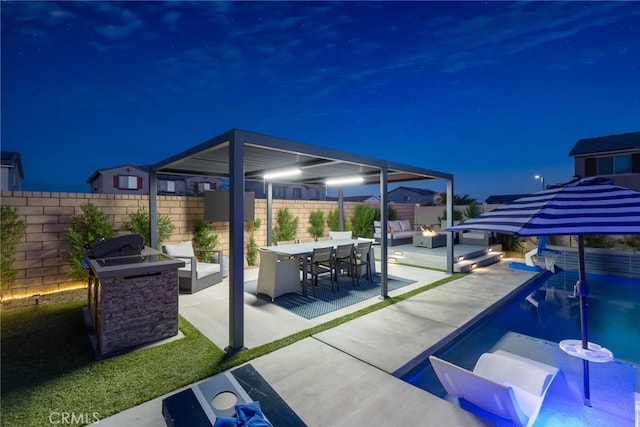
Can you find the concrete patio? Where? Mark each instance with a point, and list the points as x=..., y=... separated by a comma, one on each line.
x=344, y=376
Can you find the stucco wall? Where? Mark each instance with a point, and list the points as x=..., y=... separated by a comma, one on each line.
x=41, y=258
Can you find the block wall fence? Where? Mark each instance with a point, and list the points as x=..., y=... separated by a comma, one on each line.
x=41, y=257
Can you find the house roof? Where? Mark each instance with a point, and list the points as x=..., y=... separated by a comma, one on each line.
x=264, y=153
x=601, y=144
x=12, y=159
x=421, y=191
x=354, y=198
x=500, y=199
x=100, y=171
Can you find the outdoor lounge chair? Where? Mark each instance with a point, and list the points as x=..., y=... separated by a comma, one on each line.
x=502, y=383
x=195, y=275
x=277, y=276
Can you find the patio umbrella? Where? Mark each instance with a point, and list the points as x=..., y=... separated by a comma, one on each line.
x=582, y=206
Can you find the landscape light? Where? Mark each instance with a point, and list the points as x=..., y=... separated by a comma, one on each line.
x=282, y=173
x=541, y=178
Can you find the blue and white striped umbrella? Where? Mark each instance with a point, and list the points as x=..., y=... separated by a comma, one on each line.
x=580, y=207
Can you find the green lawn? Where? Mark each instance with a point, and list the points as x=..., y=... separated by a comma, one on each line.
x=48, y=369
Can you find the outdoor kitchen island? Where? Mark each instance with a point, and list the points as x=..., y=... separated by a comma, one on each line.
x=133, y=300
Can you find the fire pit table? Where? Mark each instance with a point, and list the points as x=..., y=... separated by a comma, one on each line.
x=430, y=240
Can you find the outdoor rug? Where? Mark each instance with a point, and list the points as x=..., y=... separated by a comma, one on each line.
x=325, y=301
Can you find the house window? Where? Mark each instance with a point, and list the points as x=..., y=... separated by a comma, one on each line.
x=605, y=165
x=407, y=198
x=128, y=182
x=622, y=164
x=204, y=186
x=614, y=165
x=320, y=194
x=167, y=186
x=297, y=193
x=277, y=192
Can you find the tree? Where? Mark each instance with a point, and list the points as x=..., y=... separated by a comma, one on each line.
x=12, y=230
x=286, y=227
x=86, y=229
x=316, y=221
x=140, y=223
x=459, y=200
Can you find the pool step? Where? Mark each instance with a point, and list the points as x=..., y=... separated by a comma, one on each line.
x=470, y=262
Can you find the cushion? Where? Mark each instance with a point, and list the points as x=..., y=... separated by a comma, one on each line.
x=395, y=225
x=406, y=225
x=204, y=269
x=180, y=249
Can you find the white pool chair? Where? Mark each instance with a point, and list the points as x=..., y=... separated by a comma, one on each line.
x=502, y=383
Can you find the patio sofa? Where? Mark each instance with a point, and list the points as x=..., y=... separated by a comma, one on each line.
x=400, y=232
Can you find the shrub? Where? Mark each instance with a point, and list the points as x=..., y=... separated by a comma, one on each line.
x=392, y=214
x=86, y=229
x=204, y=238
x=510, y=243
x=140, y=223
x=252, y=246
x=316, y=221
x=286, y=226
x=633, y=241
x=596, y=241
x=12, y=230
x=457, y=216
x=362, y=220
x=472, y=211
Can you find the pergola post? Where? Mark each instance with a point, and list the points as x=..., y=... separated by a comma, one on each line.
x=153, y=209
x=269, y=213
x=384, y=259
x=236, y=240
x=449, y=210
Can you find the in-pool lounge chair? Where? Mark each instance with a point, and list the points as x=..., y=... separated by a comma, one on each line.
x=502, y=383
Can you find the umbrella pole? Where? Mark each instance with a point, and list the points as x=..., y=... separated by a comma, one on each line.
x=584, y=291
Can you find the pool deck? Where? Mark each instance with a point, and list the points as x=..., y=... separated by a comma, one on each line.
x=344, y=376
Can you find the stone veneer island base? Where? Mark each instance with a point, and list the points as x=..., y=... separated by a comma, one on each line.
x=133, y=301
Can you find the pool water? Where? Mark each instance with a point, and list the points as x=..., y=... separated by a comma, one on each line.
x=533, y=323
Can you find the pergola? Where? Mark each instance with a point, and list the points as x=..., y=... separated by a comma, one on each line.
x=240, y=155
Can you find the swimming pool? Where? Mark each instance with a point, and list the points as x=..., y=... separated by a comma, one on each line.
x=546, y=312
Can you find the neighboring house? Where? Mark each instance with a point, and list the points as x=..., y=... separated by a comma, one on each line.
x=501, y=199
x=419, y=196
x=289, y=191
x=128, y=179
x=357, y=199
x=616, y=157
x=12, y=173
x=125, y=179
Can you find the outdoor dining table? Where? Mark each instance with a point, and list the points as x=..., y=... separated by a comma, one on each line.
x=304, y=250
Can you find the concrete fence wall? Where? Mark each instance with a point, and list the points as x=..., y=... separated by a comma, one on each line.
x=41, y=257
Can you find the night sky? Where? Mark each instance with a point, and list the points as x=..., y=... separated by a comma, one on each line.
x=494, y=93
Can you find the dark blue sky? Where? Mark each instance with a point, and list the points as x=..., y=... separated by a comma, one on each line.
x=491, y=92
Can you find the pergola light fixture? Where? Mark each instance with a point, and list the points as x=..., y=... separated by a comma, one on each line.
x=345, y=180
x=282, y=173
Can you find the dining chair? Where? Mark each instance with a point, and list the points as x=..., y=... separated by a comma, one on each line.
x=320, y=263
x=361, y=257
x=342, y=261
x=277, y=276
